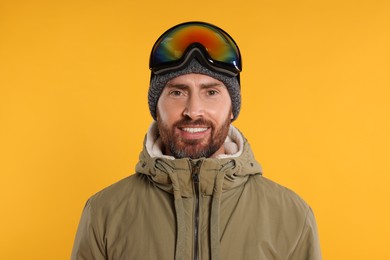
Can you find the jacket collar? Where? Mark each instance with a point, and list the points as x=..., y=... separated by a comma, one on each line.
x=237, y=165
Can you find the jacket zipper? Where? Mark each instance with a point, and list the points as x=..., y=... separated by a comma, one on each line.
x=195, y=179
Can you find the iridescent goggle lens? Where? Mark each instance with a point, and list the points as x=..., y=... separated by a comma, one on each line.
x=179, y=44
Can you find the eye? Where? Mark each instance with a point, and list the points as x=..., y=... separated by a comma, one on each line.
x=212, y=92
x=175, y=93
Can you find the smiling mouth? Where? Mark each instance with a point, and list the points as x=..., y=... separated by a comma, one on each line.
x=194, y=129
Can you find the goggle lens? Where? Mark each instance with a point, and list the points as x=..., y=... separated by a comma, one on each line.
x=220, y=48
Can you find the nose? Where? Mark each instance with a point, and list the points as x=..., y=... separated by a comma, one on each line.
x=194, y=107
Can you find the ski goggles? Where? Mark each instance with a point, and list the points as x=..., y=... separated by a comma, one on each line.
x=212, y=46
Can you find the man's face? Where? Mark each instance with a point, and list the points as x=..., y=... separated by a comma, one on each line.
x=193, y=116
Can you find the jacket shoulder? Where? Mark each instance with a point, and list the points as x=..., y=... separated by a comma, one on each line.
x=118, y=193
x=278, y=193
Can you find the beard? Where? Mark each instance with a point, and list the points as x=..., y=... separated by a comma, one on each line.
x=179, y=147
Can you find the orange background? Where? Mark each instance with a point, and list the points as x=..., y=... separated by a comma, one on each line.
x=73, y=109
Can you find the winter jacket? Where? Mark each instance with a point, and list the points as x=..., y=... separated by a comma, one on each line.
x=210, y=208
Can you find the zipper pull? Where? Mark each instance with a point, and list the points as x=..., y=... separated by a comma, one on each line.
x=195, y=171
x=195, y=178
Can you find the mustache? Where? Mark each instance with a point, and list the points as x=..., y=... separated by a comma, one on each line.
x=188, y=121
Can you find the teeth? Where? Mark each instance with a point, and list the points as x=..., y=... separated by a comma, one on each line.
x=194, y=130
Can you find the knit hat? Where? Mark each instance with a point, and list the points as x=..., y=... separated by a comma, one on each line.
x=158, y=82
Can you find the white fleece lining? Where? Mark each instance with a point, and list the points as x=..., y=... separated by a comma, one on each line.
x=234, y=143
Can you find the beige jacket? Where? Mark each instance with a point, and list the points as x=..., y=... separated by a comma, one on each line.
x=215, y=208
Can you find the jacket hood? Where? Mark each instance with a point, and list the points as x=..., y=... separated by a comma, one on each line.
x=236, y=165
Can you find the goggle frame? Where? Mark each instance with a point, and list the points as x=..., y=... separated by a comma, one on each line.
x=209, y=44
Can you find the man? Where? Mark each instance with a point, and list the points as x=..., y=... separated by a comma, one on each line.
x=198, y=192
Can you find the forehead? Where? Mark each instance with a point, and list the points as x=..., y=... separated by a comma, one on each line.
x=194, y=79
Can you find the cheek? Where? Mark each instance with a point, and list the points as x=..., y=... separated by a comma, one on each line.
x=168, y=112
x=222, y=110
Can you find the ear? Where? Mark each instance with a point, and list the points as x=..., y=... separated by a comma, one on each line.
x=231, y=115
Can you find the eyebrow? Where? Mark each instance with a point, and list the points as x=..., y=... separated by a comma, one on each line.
x=180, y=86
x=212, y=85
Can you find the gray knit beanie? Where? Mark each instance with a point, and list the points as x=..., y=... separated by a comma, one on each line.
x=158, y=82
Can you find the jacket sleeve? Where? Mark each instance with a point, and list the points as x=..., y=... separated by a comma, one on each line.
x=308, y=246
x=88, y=242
